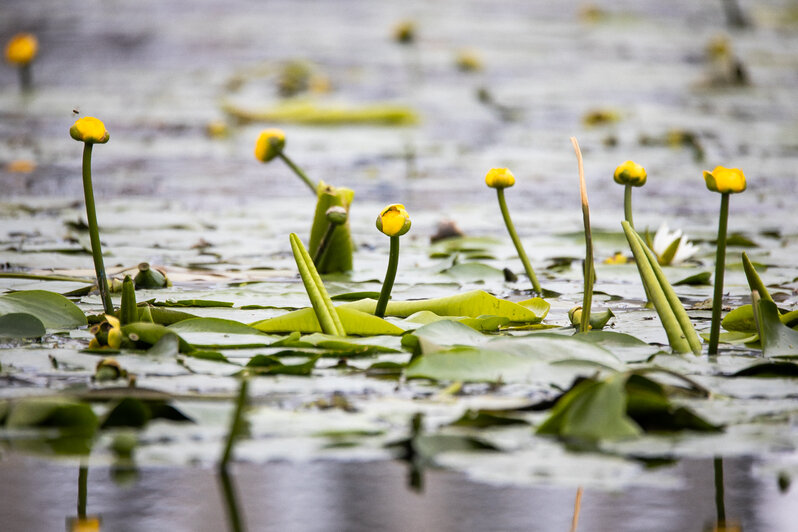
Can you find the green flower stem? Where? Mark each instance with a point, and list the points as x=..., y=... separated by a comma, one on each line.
x=516, y=241
x=324, y=245
x=94, y=233
x=25, y=78
x=298, y=171
x=329, y=321
x=390, y=275
x=720, y=267
x=688, y=331
x=627, y=205
x=673, y=329
x=720, y=504
x=235, y=425
x=83, y=490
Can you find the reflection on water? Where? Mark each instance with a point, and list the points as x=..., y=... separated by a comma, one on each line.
x=325, y=495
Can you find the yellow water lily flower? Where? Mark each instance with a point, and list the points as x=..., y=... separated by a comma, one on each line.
x=630, y=173
x=618, y=258
x=725, y=180
x=499, y=178
x=107, y=335
x=270, y=144
x=394, y=220
x=89, y=130
x=22, y=48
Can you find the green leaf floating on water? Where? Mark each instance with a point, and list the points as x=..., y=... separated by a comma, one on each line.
x=481, y=323
x=53, y=310
x=304, y=320
x=21, y=325
x=217, y=332
x=310, y=113
x=269, y=365
x=538, y=358
x=471, y=304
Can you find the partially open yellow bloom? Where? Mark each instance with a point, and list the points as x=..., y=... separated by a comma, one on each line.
x=630, y=173
x=270, y=144
x=22, y=48
x=394, y=220
x=500, y=178
x=107, y=335
x=725, y=180
x=618, y=258
x=89, y=130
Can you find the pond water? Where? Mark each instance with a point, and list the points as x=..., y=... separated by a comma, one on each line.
x=326, y=495
x=630, y=79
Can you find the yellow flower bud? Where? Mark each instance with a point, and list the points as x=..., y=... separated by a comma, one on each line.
x=22, y=48
x=630, y=173
x=725, y=180
x=499, y=178
x=270, y=144
x=575, y=315
x=89, y=130
x=394, y=220
x=405, y=32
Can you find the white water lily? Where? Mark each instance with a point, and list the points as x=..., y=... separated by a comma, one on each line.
x=663, y=239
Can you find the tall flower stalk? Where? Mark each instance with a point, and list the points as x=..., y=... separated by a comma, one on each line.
x=501, y=178
x=91, y=131
x=394, y=222
x=271, y=145
x=725, y=181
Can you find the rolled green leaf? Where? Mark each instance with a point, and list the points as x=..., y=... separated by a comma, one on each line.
x=676, y=337
x=319, y=298
x=338, y=257
x=754, y=281
x=128, y=312
x=686, y=325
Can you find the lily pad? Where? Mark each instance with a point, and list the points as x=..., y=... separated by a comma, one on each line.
x=53, y=310
x=217, y=332
x=21, y=325
x=471, y=304
x=304, y=320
